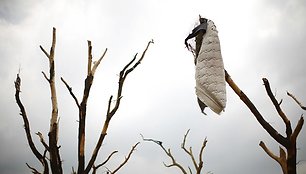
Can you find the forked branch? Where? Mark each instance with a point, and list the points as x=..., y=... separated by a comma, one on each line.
x=197, y=165
x=111, y=112
x=126, y=159
x=95, y=168
x=286, y=161
x=282, y=159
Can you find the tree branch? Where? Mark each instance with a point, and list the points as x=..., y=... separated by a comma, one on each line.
x=71, y=93
x=287, y=162
x=297, y=129
x=23, y=113
x=174, y=163
x=198, y=167
x=273, y=133
x=190, y=150
x=200, y=156
x=96, y=64
x=296, y=100
x=111, y=112
x=45, y=76
x=43, y=50
x=168, y=153
x=42, y=140
x=95, y=168
x=281, y=159
x=126, y=159
x=33, y=169
x=277, y=107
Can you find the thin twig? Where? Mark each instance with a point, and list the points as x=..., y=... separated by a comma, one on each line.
x=34, y=171
x=43, y=50
x=45, y=76
x=95, y=168
x=190, y=150
x=275, y=103
x=42, y=140
x=71, y=93
x=126, y=158
x=296, y=100
x=168, y=153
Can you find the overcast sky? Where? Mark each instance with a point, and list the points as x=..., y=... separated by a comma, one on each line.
x=258, y=39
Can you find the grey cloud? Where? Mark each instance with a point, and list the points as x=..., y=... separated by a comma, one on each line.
x=15, y=11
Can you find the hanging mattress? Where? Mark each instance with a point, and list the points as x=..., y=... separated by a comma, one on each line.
x=209, y=74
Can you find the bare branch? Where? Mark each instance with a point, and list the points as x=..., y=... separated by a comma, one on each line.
x=33, y=169
x=123, y=74
x=96, y=64
x=42, y=140
x=141, y=58
x=296, y=100
x=71, y=93
x=190, y=150
x=109, y=106
x=23, y=113
x=143, y=54
x=281, y=159
x=297, y=129
x=278, y=137
x=43, y=50
x=45, y=76
x=201, y=156
x=95, y=168
x=174, y=163
x=277, y=106
x=155, y=141
x=287, y=161
x=126, y=159
x=276, y=158
x=110, y=112
x=168, y=153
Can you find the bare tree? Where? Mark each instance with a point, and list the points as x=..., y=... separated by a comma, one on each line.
x=287, y=160
x=52, y=147
x=198, y=165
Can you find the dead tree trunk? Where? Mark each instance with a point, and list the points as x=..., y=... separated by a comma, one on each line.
x=286, y=161
x=55, y=160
